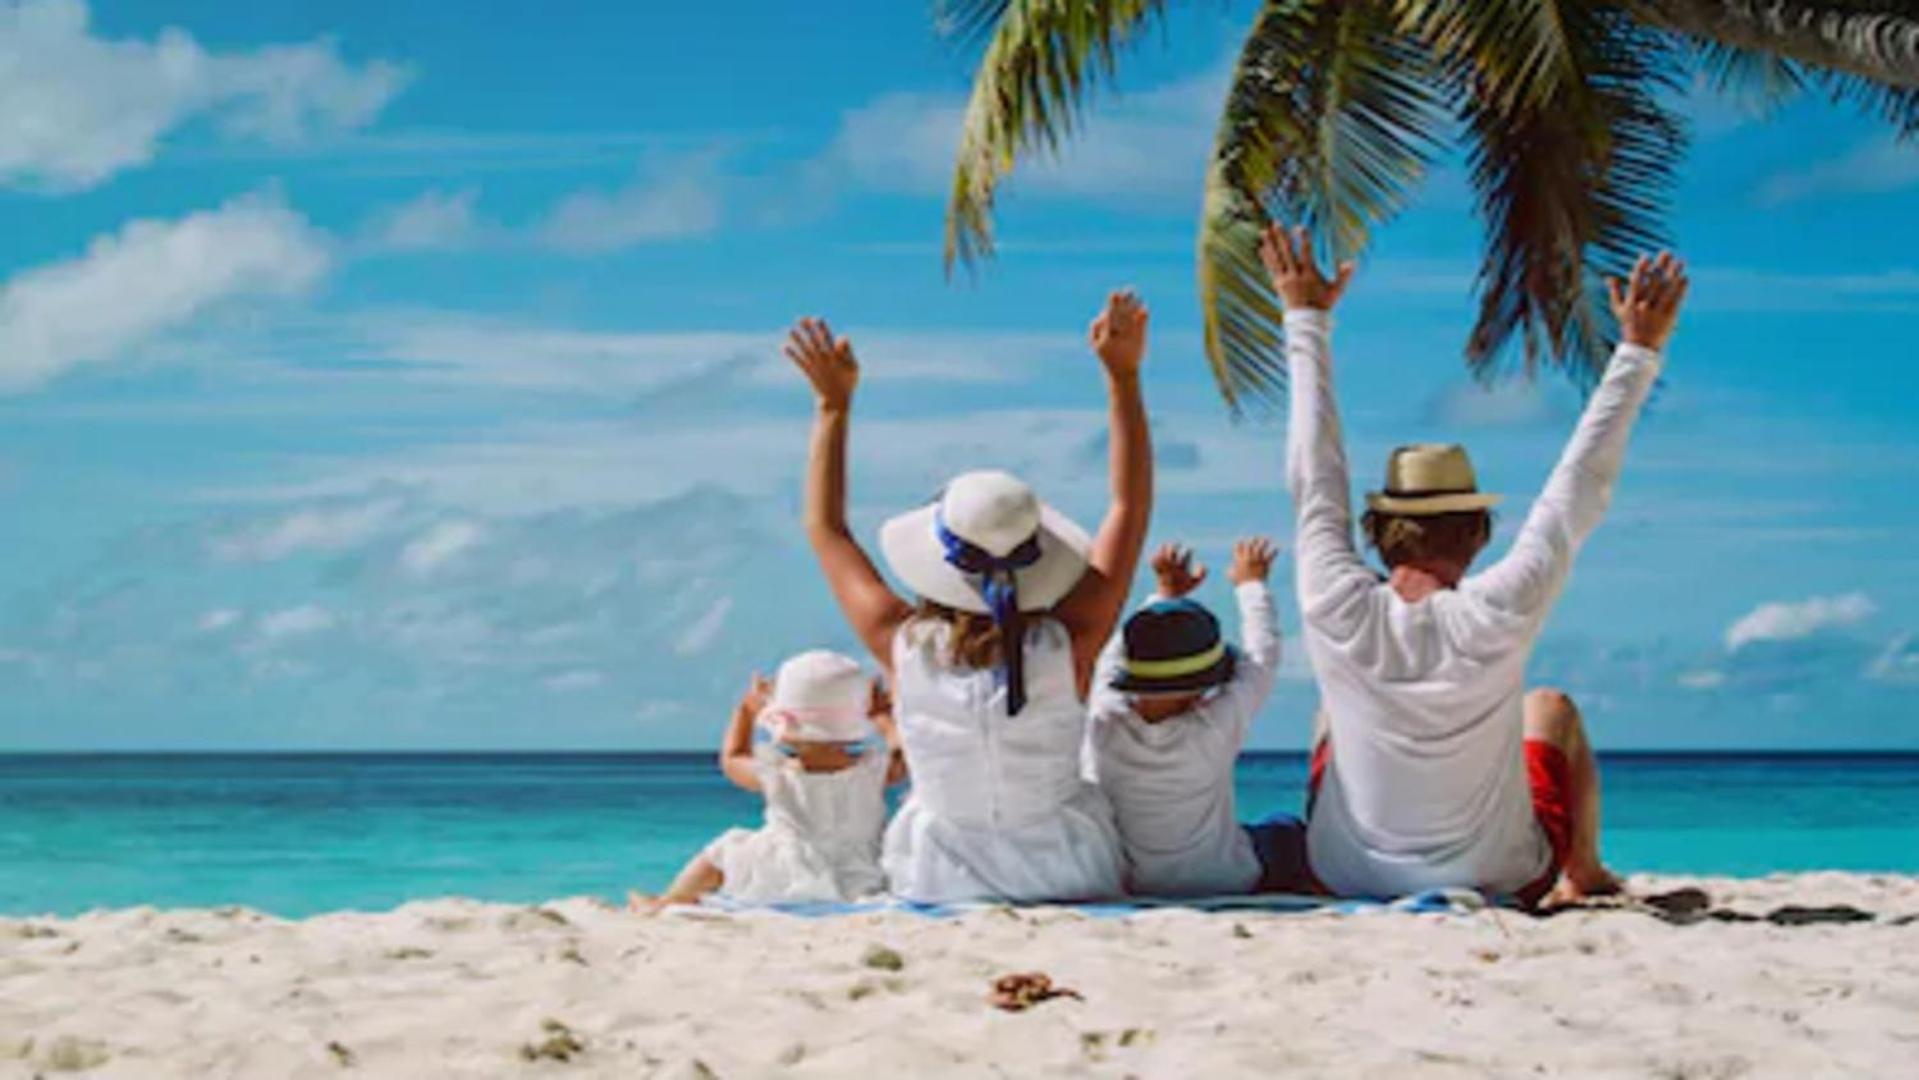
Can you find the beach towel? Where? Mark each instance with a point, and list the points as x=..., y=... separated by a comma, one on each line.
x=1429, y=902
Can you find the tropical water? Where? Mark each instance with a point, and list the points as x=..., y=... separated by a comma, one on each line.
x=301, y=833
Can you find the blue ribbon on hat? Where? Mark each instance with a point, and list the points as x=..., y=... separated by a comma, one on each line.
x=999, y=587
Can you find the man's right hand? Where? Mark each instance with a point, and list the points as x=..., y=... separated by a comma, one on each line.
x=1288, y=256
x=1647, y=307
x=1175, y=570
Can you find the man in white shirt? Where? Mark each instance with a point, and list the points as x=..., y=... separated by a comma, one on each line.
x=1436, y=768
x=1170, y=709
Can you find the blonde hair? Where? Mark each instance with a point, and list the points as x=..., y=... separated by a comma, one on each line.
x=1402, y=538
x=975, y=639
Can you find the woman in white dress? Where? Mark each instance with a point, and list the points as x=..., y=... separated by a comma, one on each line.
x=991, y=663
x=823, y=772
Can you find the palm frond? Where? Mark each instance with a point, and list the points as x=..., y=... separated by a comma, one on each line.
x=1873, y=40
x=1330, y=121
x=1042, y=63
x=1573, y=158
x=1759, y=76
x=1860, y=53
x=968, y=21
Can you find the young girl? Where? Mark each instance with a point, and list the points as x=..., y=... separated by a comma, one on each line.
x=991, y=665
x=824, y=783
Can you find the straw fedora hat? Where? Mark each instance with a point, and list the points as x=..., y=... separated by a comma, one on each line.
x=997, y=513
x=1430, y=478
x=819, y=696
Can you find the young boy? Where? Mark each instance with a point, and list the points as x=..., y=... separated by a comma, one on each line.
x=1171, y=705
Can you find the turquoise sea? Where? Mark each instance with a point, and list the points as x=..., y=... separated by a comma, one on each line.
x=301, y=833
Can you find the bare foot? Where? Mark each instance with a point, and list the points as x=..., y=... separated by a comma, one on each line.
x=641, y=904
x=1578, y=885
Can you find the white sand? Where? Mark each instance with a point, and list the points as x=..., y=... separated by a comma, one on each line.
x=458, y=988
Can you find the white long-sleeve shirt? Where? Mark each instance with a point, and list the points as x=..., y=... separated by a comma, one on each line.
x=1427, y=784
x=1171, y=782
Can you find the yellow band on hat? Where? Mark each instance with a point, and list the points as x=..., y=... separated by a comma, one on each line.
x=1173, y=669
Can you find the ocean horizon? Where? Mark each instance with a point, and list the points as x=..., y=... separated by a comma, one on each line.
x=296, y=833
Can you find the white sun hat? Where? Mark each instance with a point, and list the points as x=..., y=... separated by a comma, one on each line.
x=820, y=696
x=998, y=514
x=1430, y=478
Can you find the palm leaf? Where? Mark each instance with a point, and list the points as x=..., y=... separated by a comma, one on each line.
x=1573, y=158
x=1328, y=121
x=1866, y=54
x=1877, y=41
x=1043, y=61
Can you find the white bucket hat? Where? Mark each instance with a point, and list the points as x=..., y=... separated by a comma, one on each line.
x=997, y=514
x=1430, y=478
x=819, y=696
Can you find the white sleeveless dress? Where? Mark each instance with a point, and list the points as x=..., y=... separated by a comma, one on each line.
x=998, y=809
x=821, y=840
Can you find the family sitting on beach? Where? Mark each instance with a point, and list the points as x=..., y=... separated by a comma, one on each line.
x=1051, y=759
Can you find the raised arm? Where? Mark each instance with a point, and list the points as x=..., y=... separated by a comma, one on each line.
x=1092, y=609
x=1331, y=571
x=1258, y=630
x=1528, y=579
x=871, y=608
x=736, y=746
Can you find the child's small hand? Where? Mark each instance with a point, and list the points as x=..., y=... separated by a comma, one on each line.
x=1252, y=560
x=1178, y=574
x=758, y=692
x=881, y=707
x=1118, y=335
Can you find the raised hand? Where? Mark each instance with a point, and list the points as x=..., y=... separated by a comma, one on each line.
x=1176, y=571
x=1289, y=258
x=758, y=692
x=1647, y=307
x=1118, y=334
x=1252, y=560
x=827, y=362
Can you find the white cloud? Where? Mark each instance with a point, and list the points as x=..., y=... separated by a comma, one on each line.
x=80, y=108
x=1141, y=146
x=1881, y=165
x=681, y=201
x=1703, y=679
x=1898, y=664
x=1514, y=403
x=568, y=682
x=468, y=349
x=1792, y=621
x=433, y=548
x=898, y=460
x=705, y=630
x=434, y=221
x=295, y=622
x=315, y=528
x=218, y=619
x=151, y=277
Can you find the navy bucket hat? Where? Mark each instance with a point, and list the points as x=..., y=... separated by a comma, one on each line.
x=1174, y=647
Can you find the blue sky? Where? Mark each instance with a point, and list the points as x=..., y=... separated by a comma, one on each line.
x=386, y=375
